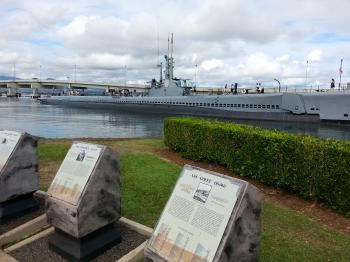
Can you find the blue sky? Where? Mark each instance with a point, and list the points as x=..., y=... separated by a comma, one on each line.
x=330, y=37
x=230, y=40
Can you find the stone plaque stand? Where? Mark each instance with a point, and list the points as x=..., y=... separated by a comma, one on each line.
x=84, y=217
x=18, y=177
x=208, y=217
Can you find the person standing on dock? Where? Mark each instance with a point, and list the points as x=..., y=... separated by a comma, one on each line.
x=333, y=83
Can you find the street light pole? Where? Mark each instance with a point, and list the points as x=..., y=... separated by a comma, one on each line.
x=195, y=76
x=14, y=70
x=279, y=85
x=125, y=76
x=307, y=69
x=75, y=73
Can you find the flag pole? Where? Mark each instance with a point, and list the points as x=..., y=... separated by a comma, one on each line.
x=307, y=68
x=340, y=71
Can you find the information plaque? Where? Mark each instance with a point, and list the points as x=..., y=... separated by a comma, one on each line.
x=195, y=217
x=74, y=172
x=8, y=142
x=18, y=174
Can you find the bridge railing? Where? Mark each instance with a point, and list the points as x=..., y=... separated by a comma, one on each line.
x=69, y=83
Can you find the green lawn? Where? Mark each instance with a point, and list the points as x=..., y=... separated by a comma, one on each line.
x=147, y=182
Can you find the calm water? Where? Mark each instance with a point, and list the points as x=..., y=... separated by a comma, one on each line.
x=49, y=121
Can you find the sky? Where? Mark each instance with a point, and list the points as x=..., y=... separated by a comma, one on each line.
x=243, y=41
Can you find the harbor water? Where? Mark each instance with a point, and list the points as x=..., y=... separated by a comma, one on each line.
x=25, y=114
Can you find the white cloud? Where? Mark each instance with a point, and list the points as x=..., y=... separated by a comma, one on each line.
x=315, y=55
x=8, y=57
x=228, y=20
x=75, y=28
x=282, y=58
x=259, y=64
x=97, y=60
x=230, y=40
x=211, y=64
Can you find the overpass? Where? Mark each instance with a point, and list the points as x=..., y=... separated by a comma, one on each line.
x=35, y=84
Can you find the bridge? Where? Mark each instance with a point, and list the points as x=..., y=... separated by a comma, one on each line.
x=12, y=86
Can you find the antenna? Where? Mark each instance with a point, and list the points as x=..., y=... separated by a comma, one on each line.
x=172, y=44
x=157, y=42
x=168, y=44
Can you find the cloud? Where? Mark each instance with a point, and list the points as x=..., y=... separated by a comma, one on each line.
x=282, y=58
x=229, y=40
x=259, y=64
x=229, y=20
x=95, y=34
x=315, y=55
x=8, y=57
x=212, y=64
x=75, y=28
x=97, y=61
x=16, y=26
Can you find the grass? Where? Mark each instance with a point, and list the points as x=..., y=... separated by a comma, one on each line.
x=52, y=152
x=146, y=186
x=147, y=182
x=291, y=236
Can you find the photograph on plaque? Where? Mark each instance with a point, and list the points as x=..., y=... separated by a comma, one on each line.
x=8, y=142
x=202, y=192
x=195, y=217
x=81, y=156
x=74, y=172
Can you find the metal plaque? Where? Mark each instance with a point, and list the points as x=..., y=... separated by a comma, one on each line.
x=8, y=142
x=74, y=172
x=195, y=217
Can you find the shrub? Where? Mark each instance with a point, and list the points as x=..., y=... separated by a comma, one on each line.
x=314, y=168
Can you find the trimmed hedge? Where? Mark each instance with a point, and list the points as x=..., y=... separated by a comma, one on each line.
x=314, y=168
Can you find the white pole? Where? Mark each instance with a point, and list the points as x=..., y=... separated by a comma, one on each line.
x=125, y=76
x=75, y=72
x=307, y=67
x=340, y=71
x=14, y=70
x=195, y=76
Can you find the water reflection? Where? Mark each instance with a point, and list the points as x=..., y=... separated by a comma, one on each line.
x=58, y=122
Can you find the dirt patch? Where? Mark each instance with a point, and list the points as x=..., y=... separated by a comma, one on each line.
x=38, y=250
x=47, y=173
x=312, y=209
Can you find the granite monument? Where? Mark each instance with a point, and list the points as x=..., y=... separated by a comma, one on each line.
x=83, y=202
x=18, y=174
x=208, y=217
